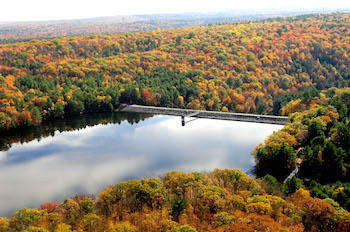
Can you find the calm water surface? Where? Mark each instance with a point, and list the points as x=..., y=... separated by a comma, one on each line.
x=84, y=161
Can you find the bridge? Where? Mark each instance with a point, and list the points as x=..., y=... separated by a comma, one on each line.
x=270, y=119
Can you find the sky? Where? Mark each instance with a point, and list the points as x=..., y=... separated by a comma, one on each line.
x=35, y=10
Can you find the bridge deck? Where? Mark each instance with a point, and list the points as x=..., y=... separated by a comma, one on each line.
x=206, y=114
x=192, y=114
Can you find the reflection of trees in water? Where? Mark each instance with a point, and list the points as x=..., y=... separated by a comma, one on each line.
x=49, y=128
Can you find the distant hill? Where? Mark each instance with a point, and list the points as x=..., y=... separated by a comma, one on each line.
x=11, y=32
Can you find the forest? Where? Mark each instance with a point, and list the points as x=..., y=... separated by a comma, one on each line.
x=249, y=66
x=319, y=137
x=223, y=200
x=12, y=32
x=295, y=66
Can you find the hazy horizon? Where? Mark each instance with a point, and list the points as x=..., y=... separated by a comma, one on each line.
x=41, y=10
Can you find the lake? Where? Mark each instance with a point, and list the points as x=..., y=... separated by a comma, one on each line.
x=84, y=154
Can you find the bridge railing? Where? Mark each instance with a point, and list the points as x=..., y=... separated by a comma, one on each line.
x=207, y=114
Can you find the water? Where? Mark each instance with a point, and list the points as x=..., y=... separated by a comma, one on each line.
x=86, y=156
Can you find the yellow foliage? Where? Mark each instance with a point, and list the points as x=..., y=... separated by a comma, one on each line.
x=279, y=137
x=259, y=208
x=4, y=224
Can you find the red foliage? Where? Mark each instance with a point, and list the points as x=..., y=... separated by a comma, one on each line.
x=145, y=93
x=50, y=207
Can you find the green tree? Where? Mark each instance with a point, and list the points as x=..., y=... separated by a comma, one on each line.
x=178, y=40
x=178, y=205
x=333, y=161
x=58, y=111
x=74, y=106
x=292, y=185
x=230, y=81
x=316, y=128
x=279, y=31
x=36, y=115
x=279, y=162
x=270, y=184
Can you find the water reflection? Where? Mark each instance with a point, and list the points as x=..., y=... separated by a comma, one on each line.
x=85, y=161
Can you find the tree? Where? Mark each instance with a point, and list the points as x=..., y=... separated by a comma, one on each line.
x=124, y=227
x=5, y=121
x=58, y=111
x=191, y=35
x=129, y=95
x=71, y=211
x=2, y=79
x=269, y=184
x=91, y=222
x=279, y=162
x=261, y=108
x=279, y=31
x=178, y=205
x=86, y=204
x=236, y=180
x=74, y=107
x=230, y=81
x=4, y=224
x=316, y=128
x=333, y=161
x=342, y=136
x=179, y=182
x=49, y=207
x=292, y=185
x=35, y=229
x=317, y=213
x=184, y=228
x=22, y=219
x=223, y=219
x=259, y=208
x=63, y=228
x=312, y=161
x=209, y=200
x=178, y=40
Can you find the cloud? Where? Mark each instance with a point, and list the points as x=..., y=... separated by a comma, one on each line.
x=55, y=178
